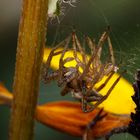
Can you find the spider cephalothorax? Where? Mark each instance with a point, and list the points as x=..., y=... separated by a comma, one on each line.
x=82, y=83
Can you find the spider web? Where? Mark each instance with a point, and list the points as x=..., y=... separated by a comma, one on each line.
x=91, y=17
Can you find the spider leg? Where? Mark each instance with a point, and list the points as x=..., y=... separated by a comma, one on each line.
x=68, y=73
x=68, y=76
x=123, y=129
x=51, y=76
x=111, y=51
x=96, y=79
x=97, y=118
x=108, y=93
x=85, y=98
x=88, y=132
x=109, y=67
x=75, y=52
x=86, y=69
x=62, y=68
x=63, y=53
x=106, y=81
x=45, y=76
x=99, y=50
x=89, y=96
x=68, y=59
x=99, y=100
x=91, y=45
x=65, y=90
x=93, y=98
x=96, y=56
x=84, y=104
x=99, y=75
x=82, y=51
x=101, y=42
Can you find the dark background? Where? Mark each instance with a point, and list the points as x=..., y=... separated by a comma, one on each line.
x=90, y=17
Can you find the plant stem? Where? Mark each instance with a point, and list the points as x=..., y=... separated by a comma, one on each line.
x=31, y=39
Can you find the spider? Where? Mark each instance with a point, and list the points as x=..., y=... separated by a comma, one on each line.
x=81, y=84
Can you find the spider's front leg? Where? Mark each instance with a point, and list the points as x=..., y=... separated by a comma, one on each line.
x=46, y=77
x=87, y=97
x=45, y=68
x=51, y=76
x=88, y=132
x=87, y=106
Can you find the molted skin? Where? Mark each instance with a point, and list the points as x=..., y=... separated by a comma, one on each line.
x=82, y=84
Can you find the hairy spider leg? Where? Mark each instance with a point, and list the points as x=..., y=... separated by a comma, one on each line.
x=63, y=52
x=97, y=60
x=106, y=81
x=96, y=78
x=91, y=44
x=83, y=100
x=62, y=62
x=81, y=50
x=46, y=77
x=97, y=54
x=108, y=92
x=101, y=42
x=96, y=91
x=100, y=100
x=92, y=94
x=110, y=66
x=111, y=51
x=110, y=69
x=99, y=75
x=78, y=61
x=88, y=132
x=104, y=36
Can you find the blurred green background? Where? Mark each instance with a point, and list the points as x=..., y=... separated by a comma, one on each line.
x=89, y=17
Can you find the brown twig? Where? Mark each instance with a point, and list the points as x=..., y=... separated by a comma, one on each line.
x=31, y=37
